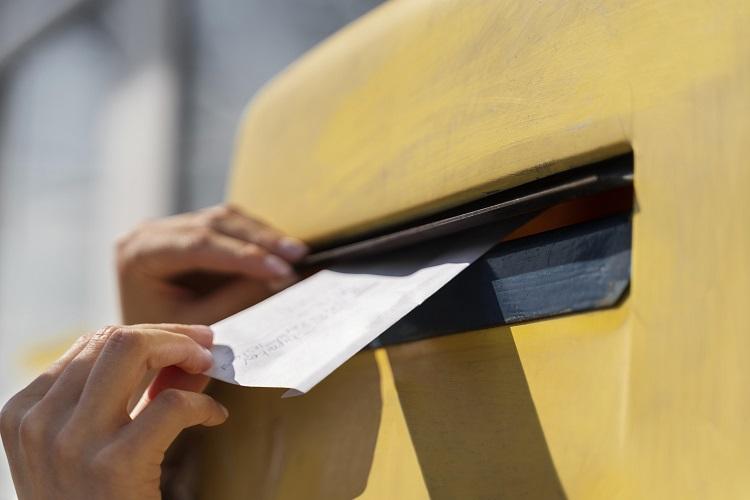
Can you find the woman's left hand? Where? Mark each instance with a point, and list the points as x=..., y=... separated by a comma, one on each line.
x=70, y=434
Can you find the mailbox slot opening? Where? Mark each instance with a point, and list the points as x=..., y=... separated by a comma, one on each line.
x=570, y=256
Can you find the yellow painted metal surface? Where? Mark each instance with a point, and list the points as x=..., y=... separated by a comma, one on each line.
x=423, y=104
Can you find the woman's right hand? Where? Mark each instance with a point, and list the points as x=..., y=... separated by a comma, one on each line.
x=200, y=267
x=70, y=434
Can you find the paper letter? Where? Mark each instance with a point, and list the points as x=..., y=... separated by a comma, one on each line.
x=297, y=337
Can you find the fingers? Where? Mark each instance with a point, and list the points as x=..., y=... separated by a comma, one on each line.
x=176, y=378
x=218, y=239
x=170, y=377
x=210, y=251
x=201, y=334
x=58, y=448
x=67, y=387
x=173, y=410
x=15, y=409
x=230, y=221
x=125, y=358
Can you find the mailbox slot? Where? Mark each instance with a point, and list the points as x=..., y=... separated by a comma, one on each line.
x=570, y=253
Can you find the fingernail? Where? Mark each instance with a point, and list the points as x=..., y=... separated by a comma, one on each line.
x=224, y=409
x=292, y=248
x=277, y=265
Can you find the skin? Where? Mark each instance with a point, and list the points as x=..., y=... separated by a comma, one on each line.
x=202, y=266
x=75, y=431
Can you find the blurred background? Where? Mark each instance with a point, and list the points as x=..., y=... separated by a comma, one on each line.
x=112, y=112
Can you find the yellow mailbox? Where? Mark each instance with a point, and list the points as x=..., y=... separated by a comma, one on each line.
x=425, y=109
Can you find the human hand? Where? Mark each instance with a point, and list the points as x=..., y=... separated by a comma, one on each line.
x=69, y=434
x=202, y=266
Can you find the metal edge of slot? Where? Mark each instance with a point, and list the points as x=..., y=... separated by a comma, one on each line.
x=534, y=196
